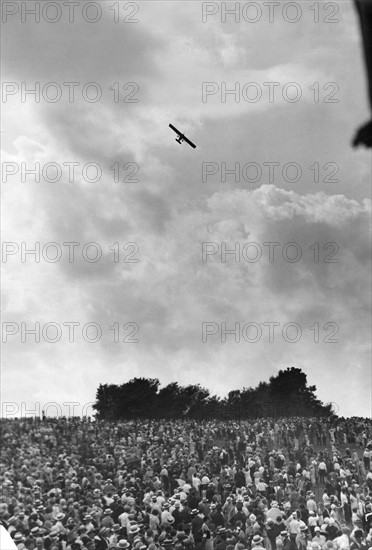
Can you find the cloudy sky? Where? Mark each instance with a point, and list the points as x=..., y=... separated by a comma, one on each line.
x=146, y=63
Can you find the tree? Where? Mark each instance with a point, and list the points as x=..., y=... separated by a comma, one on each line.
x=286, y=394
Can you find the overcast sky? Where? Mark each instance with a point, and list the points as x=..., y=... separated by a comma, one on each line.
x=172, y=209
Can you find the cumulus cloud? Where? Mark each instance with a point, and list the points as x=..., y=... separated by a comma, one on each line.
x=171, y=215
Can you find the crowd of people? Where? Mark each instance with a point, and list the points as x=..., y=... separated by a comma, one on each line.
x=272, y=484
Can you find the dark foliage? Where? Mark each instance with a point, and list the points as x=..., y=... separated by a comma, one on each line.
x=285, y=395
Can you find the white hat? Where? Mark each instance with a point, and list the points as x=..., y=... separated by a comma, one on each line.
x=122, y=544
x=256, y=540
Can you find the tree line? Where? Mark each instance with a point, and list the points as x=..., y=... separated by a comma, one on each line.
x=285, y=395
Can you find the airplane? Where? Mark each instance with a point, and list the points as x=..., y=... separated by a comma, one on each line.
x=181, y=137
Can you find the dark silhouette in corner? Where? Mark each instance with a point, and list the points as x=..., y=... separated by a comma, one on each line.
x=364, y=9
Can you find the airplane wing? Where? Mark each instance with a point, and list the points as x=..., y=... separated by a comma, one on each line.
x=175, y=129
x=189, y=142
x=182, y=136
